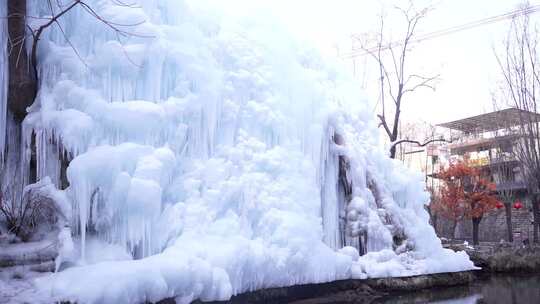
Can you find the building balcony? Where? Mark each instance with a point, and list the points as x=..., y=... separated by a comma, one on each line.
x=511, y=186
x=506, y=160
x=481, y=144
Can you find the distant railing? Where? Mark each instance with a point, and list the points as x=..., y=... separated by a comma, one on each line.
x=465, y=143
x=503, y=159
x=479, y=162
x=511, y=185
x=486, y=161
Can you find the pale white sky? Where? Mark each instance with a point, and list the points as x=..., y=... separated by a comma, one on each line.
x=465, y=60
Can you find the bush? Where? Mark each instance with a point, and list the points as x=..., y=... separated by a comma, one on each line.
x=23, y=217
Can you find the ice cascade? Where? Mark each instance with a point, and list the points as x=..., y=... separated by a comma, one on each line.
x=215, y=154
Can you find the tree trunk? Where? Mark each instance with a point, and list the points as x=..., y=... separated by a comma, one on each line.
x=432, y=218
x=393, y=152
x=434, y=223
x=454, y=225
x=508, y=211
x=476, y=229
x=361, y=249
x=22, y=86
x=535, y=233
x=536, y=220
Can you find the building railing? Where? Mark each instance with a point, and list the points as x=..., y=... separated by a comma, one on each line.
x=487, y=161
x=473, y=143
x=511, y=185
x=479, y=162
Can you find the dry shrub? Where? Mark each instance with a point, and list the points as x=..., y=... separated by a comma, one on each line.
x=23, y=217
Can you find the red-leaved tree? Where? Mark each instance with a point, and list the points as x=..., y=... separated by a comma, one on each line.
x=465, y=194
x=449, y=204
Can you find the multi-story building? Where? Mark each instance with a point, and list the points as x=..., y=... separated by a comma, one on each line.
x=489, y=142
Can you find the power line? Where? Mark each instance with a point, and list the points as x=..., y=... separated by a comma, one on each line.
x=490, y=20
x=454, y=29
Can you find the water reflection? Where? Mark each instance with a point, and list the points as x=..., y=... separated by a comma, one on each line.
x=455, y=295
x=467, y=300
x=494, y=290
x=512, y=290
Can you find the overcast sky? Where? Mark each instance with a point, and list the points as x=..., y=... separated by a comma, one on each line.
x=465, y=60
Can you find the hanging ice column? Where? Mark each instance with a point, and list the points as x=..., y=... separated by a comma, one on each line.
x=336, y=191
x=332, y=203
x=357, y=210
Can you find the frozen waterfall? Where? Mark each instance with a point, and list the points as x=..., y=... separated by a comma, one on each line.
x=212, y=153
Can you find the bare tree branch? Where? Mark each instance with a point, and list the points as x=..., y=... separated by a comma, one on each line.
x=421, y=144
x=519, y=69
x=426, y=82
x=36, y=34
x=394, y=79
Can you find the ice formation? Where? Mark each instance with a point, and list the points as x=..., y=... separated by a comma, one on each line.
x=216, y=154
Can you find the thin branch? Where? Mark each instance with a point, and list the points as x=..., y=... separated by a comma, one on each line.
x=113, y=25
x=70, y=44
x=421, y=144
x=39, y=31
x=426, y=83
x=384, y=124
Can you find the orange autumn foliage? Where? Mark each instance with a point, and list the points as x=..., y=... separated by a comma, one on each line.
x=464, y=193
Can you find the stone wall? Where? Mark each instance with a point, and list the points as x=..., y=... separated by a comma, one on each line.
x=492, y=227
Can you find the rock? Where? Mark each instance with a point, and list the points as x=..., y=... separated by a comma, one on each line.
x=353, y=290
x=31, y=253
x=415, y=283
x=347, y=291
x=507, y=259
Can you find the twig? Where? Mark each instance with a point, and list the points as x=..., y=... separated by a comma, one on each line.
x=420, y=144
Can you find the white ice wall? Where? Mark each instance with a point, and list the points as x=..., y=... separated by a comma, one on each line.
x=202, y=145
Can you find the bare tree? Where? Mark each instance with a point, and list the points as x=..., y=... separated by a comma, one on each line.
x=22, y=90
x=502, y=169
x=22, y=83
x=396, y=81
x=23, y=71
x=520, y=68
x=419, y=135
x=23, y=64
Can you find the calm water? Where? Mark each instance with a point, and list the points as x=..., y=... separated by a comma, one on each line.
x=494, y=290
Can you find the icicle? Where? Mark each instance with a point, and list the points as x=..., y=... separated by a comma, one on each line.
x=13, y=176
x=47, y=157
x=331, y=201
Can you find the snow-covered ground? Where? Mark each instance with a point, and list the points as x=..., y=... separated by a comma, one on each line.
x=20, y=265
x=203, y=145
x=16, y=286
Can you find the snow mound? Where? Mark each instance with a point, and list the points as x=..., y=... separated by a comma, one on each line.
x=221, y=153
